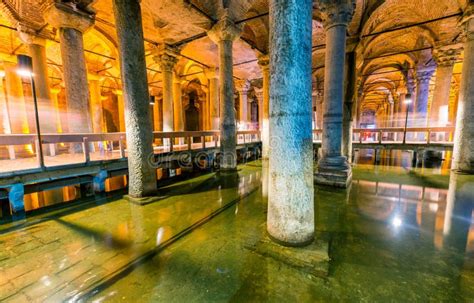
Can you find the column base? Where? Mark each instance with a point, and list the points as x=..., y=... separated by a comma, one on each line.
x=313, y=258
x=143, y=200
x=334, y=172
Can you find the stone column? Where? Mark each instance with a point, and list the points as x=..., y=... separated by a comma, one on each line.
x=349, y=96
x=178, y=104
x=445, y=57
x=142, y=176
x=54, y=92
x=96, y=104
x=319, y=108
x=423, y=78
x=223, y=33
x=463, y=154
x=333, y=168
x=16, y=100
x=243, y=87
x=121, y=109
x=72, y=23
x=5, y=127
x=166, y=57
x=290, y=218
x=264, y=62
x=37, y=51
x=213, y=77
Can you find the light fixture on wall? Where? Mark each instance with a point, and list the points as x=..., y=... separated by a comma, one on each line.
x=25, y=69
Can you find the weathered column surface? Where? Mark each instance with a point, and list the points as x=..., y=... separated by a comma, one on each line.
x=243, y=87
x=37, y=51
x=423, y=78
x=290, y=218
x=445, y=57
x=128, y=20
x=178, y=104
x=349, y=96
x=166, y=57
x=333, y=168
x=213, y=77
x=96, y=104
x=463, y=154
x=223, y=33
x=71, y=24
x=264, y=62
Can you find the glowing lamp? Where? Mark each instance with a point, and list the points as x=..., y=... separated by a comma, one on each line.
x=25, y=66
x=408, y=99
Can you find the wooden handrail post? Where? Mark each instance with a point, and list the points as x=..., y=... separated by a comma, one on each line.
x=85, y=146
x=203, y=141
x=380, y=136
x=171, y=143
x=190, y=142
x=39, y=156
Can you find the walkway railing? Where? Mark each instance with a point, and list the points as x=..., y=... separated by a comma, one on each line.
x=21, y=152
x=398, y=135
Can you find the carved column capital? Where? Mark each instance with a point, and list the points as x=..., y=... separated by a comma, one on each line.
x=264, y=61
x=446, y=55
x=211, y=73
x=336, y=12
x=423, y=76
x=166, y=56
x=224, y=29
x=242, y=86
x=64, y=15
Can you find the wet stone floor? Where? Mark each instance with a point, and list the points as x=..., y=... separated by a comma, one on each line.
x=397, y=235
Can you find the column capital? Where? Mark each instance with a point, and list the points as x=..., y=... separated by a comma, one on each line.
x=264, y=61
x=242, y=86
x=211, y=73
x=446, y=55
x=166, y=56
x=336, y=12
x=423, y=75
x=55, y=90
x=224, y=29
x=65, y=15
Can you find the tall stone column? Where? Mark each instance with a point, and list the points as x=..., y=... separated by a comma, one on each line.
x=423, y=78
x=16, y=100
x=213, y=77
x=463, y=154
x=54, y=92
x=121, y=109
x=5, y=126
x=290, y=218
x=349, y=96
x=128, y=21
x=178, y=104
x=243, y=87
x=72, y=23
x=37, y=51
x=264, y=62
x=333, y=168
x=223, y=33
x=96, y=104
x=166, y=57
x=445, y=57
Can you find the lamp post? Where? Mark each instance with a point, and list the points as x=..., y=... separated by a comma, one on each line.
x=25, y=69
x=408, y=101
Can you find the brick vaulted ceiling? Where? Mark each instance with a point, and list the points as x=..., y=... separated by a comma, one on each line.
x=172, y=21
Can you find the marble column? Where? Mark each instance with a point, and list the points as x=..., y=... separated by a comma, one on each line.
x=264, y=63
x=243, y=87
x=290, y=217
x=213, y=77
x=96, y=104
x=178, y=104
x=54, y=92
x=37, y=51
x=463, y=154
x=121, y=109
x=333, y=168
x=142, y=175
x=349, y=96
x=166, y=57
x=445, y=57
x=17, y=107
x=5, y=126
x=223, y=33
x=423, y=78
x=72, y=23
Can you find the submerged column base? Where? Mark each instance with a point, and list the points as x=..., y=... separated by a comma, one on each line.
x=334, y=172
x=142, y=200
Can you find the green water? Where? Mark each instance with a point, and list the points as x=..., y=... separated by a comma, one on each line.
x=396, y=235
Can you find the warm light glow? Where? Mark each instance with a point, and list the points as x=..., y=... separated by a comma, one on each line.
x=397, y=222
x=408, y=99
x=24, y=73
